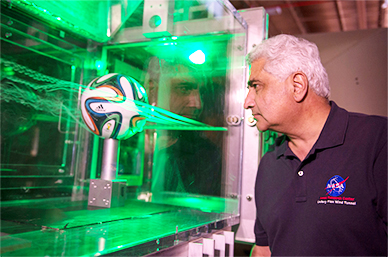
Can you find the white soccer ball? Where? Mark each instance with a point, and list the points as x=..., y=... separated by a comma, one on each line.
x=108, y=107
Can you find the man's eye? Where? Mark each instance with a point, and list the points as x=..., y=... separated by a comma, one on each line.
x=252, y=84
x=257, y=86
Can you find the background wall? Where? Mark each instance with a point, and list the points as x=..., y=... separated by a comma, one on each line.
x=356, y=62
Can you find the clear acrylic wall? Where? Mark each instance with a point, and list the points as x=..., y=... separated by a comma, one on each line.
x=189, y=65
x=184, y=166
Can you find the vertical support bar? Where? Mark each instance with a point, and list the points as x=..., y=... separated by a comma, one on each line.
x=219, y=245
x=104, y=61
x=195, y=249
x=256, y=19
x=229, y=241
x=110, y=159
x=93, y=166
x=74, y=154
x=208, y=247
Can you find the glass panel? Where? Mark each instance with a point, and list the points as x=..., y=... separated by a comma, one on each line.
x=181, y=173
x=195, y=91
x=38, y=98
x=96, y=20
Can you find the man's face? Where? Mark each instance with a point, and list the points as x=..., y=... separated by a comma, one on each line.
x=267, y=98
x=185, y=99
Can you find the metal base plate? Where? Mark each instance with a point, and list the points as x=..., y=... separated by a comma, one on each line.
x=106, y=193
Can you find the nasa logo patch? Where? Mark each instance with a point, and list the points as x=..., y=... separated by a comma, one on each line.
x=336, y=185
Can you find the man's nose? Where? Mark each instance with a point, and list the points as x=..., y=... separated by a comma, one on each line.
x=195, y=99
x=249, y=100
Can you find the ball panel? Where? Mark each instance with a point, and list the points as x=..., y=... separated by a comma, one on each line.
x=105, y=77
x=138, y=121
x=111, y=126
x=88, y=119
x=141, y=93
x=127, y=88
x=117, y=96
x=108, y=128
x=97, y=106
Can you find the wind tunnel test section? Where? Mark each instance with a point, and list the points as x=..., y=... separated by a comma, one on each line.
x=121, y=124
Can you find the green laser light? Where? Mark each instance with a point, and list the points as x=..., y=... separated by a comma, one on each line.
x=198, y=57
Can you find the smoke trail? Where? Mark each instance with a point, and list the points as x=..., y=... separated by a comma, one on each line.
x=53, y=96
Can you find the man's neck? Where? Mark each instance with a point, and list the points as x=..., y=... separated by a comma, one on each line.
x=308, y=129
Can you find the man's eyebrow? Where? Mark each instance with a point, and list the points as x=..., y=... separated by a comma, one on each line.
x=192, y=85
x=186, y=83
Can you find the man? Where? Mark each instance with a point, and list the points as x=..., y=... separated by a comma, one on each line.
x=323, y=190
x=179, y=87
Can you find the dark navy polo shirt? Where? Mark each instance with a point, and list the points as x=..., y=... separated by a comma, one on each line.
x=335, y=201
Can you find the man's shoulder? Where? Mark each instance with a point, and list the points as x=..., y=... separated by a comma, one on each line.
x=367, y=131
x=355, y=126
x=366, y=117
x=365, y=123
x=356, y=118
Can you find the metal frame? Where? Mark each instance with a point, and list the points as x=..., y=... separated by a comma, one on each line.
x=251, y=150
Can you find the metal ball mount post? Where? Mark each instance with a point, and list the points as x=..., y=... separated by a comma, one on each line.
x=108, y=191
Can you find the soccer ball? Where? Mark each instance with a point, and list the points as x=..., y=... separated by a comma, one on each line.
x=108, y=107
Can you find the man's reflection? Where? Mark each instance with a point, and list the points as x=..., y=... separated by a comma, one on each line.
x=185, y=99
x=185, y=161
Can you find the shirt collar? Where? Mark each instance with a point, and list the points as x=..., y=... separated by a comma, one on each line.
x=332, y=134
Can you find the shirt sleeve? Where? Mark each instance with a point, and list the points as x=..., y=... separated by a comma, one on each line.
x=260, y=234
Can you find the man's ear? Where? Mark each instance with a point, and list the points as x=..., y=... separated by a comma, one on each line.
x=300, y=86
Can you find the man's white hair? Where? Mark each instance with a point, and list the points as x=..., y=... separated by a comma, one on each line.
x=286, y=54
